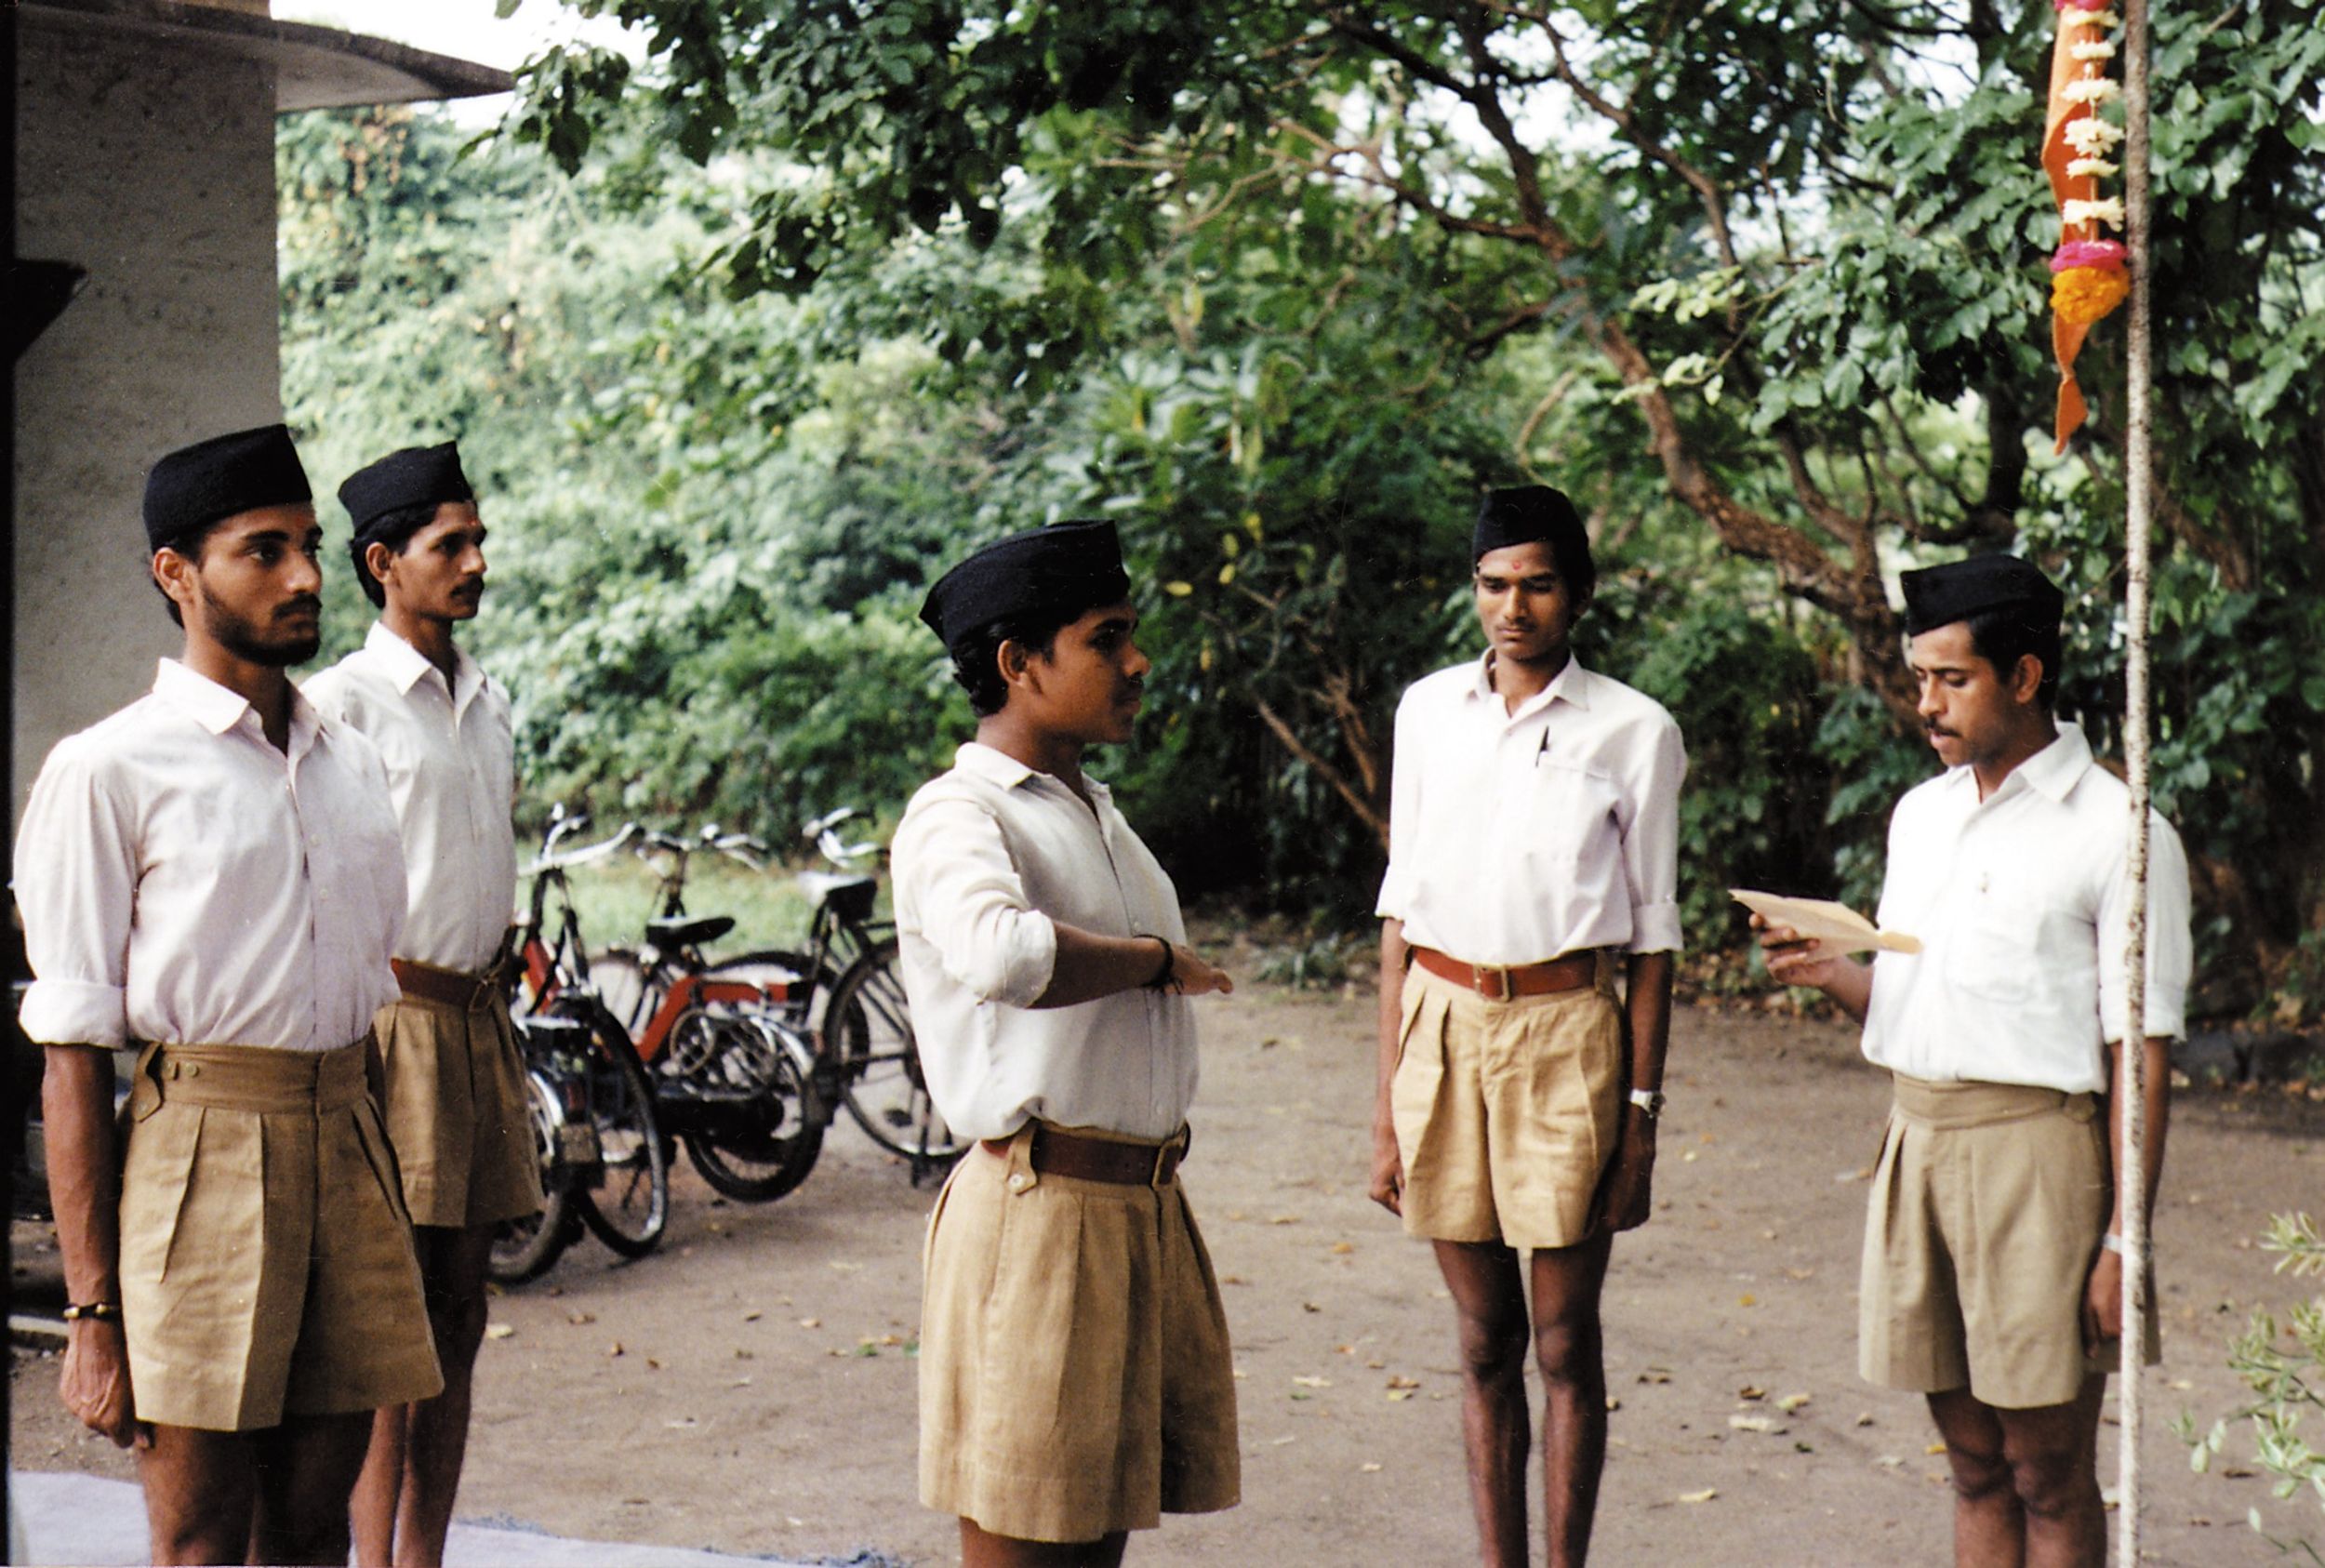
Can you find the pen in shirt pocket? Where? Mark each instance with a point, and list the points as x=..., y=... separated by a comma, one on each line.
x=1542, y=750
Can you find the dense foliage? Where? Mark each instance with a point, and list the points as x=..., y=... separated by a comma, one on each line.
x=1281, y=286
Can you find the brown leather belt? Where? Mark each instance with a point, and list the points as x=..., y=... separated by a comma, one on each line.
x=451, y=987
x=1124, y=1164
x=1572, y=972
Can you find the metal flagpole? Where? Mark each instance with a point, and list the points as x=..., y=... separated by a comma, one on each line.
x=2132, y=1179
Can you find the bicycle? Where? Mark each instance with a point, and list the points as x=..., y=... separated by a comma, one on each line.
x=866, y=1022
x=584, y=1074
x=736, y=1077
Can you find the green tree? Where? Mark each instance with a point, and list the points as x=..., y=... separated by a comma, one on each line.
x=1789, y=264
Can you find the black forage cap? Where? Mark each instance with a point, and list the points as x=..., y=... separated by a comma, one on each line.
x=414, y=476
x=242, y=471
x=1523, y=514
x=1065, y=568
x=1940, y=595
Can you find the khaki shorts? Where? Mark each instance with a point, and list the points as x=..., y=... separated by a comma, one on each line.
x=1987, y=1208
x=456, y=1110
x=1075, y=1377
x=266, y=1261
x=1505, y=1111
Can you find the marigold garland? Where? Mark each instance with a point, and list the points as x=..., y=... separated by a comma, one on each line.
x=2088, y=279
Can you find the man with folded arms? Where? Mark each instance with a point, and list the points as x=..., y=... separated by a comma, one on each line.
x=1993, y=1278
x=214, y=871
x=1075, y=1378
x=1534, y=854
x=455, y=1097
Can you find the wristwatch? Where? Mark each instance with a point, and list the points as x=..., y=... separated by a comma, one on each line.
x=1650, y=1101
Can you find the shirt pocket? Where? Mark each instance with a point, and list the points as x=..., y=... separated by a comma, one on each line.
x=1570, y=809
x=2007, y=947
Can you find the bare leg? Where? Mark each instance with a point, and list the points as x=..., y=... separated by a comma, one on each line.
x=1489, y=1298
x=981, y=1549
x=452, y=1269
x=1570, y=1352
x=200, y=1493
x=2025, y=1481
x=306, y=1472
x=371, y=1512
x=1989, y=1528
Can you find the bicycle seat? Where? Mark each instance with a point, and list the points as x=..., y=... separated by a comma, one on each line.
x=687, y=932
x=850, y=898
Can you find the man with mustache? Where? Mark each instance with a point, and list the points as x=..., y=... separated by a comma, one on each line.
x=455, y=1097
x=1534, y=853
x=1993, y=1271
x=214, y=871
x=1074, y=1372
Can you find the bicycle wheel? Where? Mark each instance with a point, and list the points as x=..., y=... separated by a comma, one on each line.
x=523, y=1249
x=761, y=1161
x=869, y=1029
x=618, y=978
x=631, y=1209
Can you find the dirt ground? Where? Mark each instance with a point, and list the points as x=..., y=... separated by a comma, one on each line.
x=750, y=1387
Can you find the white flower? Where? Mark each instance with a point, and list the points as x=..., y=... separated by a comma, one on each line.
x=2098, y=168
x=2093, y=51
x=2091, y=89
x=2091, y=136
x=2075, y=215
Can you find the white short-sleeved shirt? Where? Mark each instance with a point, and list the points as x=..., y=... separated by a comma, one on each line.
x=182, y=881
x=988, y=856
x=2022, y=907
x=1516, y=837
x=450, y=753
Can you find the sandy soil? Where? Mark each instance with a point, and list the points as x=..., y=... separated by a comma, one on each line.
x=750, y=1388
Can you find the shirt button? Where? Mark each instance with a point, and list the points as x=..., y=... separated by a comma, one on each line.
x=1019, y=1182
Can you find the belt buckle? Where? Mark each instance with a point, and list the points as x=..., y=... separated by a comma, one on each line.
x=1166, y=1160
x=1498, y=991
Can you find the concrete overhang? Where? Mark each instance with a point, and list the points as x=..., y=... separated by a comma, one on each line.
x=315, y=67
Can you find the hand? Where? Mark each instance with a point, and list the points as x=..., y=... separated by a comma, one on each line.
x=1627, y=1189
x=2102, y=1301
x=1388, y=1188
x=1795, y=960
x=95, y=1382
x=1191, y=975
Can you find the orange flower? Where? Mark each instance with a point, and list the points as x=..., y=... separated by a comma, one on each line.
x=2082, y=295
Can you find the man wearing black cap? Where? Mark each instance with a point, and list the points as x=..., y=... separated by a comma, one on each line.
x=455, y=1081
x=1075, y=1378
x=1534, y=852
x=1992, y=1271
x=214, y=871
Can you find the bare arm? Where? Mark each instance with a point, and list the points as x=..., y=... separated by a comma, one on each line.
x=1802, y=961
x=1090, y=965
x=2103, y=1297
x=1627, y=1192
x=1387, y=1186
x=76, y=1099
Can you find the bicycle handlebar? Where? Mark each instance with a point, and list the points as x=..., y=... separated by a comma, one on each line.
x=587, y=855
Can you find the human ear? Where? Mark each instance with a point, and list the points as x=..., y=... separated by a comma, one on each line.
x=174, y=574
x=377, y=560
x=2027, y=679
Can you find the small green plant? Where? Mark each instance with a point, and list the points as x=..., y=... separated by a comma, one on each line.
x=1321, y=964
x=2284, y=1366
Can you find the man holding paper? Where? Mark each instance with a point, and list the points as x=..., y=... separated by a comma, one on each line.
x=1992, y=1276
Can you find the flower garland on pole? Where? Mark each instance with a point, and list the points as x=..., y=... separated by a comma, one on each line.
x=2087, y=271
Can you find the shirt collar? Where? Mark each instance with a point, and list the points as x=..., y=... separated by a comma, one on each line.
x=406, y=666
x=2052, y=771
x=2059, y=766
x=1570, y=684
x=218, y=710
x=988, y=761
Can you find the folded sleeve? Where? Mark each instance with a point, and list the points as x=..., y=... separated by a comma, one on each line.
x=1651, y=839
x=2170, y=953
x=958, y=887
x=76, y=878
